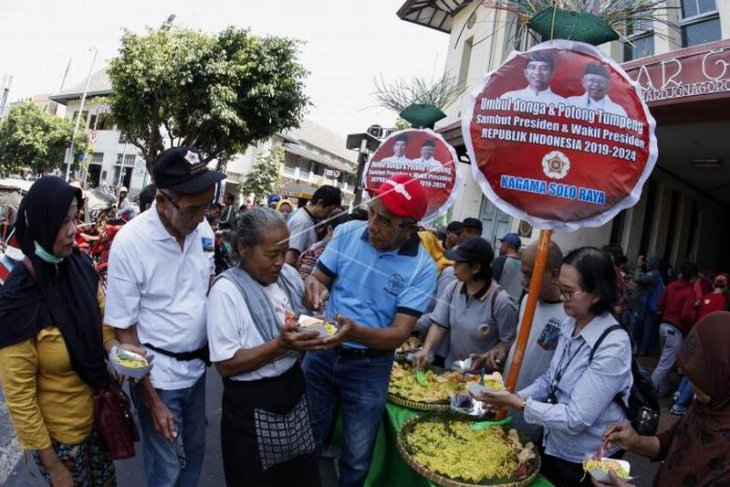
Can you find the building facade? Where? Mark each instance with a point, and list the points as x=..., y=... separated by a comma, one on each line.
x=685, y=73
x=314, y=155
x=113, y=162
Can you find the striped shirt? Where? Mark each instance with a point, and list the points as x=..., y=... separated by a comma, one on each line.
x=585, y=392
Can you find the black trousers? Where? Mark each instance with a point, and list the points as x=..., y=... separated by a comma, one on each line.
x=563, y=473
x=241, y=459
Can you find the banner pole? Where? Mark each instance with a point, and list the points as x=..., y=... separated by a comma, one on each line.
x=535, y=284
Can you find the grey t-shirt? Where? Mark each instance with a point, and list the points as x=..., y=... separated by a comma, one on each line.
x=301, y=230
x=541, y=345
x=424, y=322
x=473, y=326
x=511, y=278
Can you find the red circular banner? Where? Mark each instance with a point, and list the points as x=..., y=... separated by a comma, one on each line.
x=422, y=155
x=560, y=136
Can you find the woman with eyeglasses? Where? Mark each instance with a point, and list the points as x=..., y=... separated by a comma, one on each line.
x=587, y=383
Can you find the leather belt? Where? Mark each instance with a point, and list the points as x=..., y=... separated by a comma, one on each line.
x=361, y=352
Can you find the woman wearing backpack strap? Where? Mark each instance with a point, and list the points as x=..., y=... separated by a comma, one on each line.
x=574, y=400
x=477, y=315
x=696, y=450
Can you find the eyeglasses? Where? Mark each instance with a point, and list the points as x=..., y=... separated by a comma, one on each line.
x=374, y=217
x=187, y=211
x=567, y=294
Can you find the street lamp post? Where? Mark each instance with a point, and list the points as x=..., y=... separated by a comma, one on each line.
x=80, y=113
x=364, y=143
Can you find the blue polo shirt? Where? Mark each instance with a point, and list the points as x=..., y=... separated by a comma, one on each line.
x=371, y=286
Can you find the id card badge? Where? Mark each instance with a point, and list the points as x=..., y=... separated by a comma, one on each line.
x=208, y=244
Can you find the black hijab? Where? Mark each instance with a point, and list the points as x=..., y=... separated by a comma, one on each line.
x=62, y=294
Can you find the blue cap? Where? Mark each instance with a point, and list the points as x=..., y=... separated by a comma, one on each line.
x=512, y=239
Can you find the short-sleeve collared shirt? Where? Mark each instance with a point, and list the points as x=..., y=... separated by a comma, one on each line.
x=474, y=326
x=302, y=234
x=162, y=289
x=371, y=286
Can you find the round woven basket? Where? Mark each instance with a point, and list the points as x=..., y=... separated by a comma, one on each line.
x=449, y=482
x=418, y=406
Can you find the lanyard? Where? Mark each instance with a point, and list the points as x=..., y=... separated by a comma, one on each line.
x=561, y=369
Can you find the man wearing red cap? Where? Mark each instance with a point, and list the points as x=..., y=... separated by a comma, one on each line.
x=375, y=279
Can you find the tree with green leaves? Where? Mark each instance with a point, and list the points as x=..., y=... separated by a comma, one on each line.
x=221, y=93
x=31, y=138
x=264, y=175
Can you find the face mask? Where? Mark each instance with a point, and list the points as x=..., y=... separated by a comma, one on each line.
x=45, y=256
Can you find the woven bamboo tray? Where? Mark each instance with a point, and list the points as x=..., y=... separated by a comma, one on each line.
x=418, y=406
x=449, y=482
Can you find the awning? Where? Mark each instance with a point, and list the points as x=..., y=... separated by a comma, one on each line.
x=313, y=156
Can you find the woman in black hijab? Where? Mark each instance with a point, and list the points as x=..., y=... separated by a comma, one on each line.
x=52, y=346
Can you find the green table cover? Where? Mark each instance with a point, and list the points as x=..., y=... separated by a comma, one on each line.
x=387, y=468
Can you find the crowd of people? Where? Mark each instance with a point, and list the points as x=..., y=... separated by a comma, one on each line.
x=175, y=291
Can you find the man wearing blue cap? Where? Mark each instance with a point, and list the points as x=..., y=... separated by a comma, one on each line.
x=507, y=268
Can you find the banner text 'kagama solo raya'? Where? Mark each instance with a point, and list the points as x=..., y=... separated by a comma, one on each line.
x=559, y=136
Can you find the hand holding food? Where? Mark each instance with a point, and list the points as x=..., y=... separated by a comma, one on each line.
x=421, y=359
x=345, y=331
x=500, y=399
x=494, y=359
x=310, y=323
x=601, y=468
x=130, y=363
x=291, y=338
x=613, y=480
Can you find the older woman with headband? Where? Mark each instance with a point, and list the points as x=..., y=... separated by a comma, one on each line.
x=266, y=435
x=52, y=344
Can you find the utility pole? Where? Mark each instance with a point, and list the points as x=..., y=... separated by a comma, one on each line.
x=65, y=74
x=4, y=91
x=168, y=23
x=80, y=113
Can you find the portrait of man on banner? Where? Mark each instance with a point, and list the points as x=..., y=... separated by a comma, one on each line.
x=536, y=150
x=539, y=71
x=597, y=83
x=399, y=150
x=421, y=154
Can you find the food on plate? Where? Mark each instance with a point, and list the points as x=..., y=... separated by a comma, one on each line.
x=432, y=387
x=130, y=364
x=311, y=323
x=128, y=359
x=599, y=469
x=410, y=344
x=453, y=449
x=494, y=381
x=290, y=318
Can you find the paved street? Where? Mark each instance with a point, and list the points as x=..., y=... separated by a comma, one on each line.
x=130, y=472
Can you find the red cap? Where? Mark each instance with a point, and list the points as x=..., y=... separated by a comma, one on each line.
x=403, y=196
